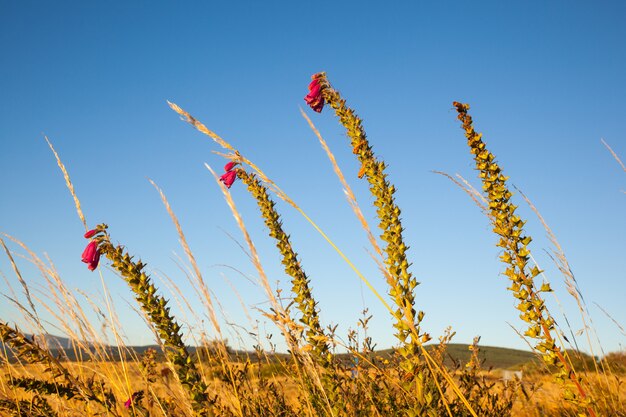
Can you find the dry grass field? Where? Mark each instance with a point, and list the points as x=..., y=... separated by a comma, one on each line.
x=540, y=394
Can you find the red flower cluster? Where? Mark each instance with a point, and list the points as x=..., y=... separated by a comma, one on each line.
x=91, y=254
x=229, y=177
x=315, y=99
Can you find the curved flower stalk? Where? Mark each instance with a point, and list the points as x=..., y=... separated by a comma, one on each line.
x=400, y=279
x=317, y=398
x=316, y=339
x=428, y=391
x=301, y=288
x=516, y=255
x=155, y=307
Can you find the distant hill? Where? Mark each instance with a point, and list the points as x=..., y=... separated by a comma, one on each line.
x=494, y=357
x=63, y=349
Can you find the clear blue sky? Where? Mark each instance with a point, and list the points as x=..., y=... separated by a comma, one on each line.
x=545, y=81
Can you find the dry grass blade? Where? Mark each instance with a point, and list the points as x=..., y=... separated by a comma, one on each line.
x=22, y=282
x=619, y=161
x=478, y=200
x=69, y=184
x=183, y=241
x=347, y=189
x=202, y=128
x=606, y=313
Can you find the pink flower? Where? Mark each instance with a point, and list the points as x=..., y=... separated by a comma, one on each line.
x=129, y=401
x=91, y=255
x=90, y=233
x=229, y=178
x=229, y=166
x=315, y=99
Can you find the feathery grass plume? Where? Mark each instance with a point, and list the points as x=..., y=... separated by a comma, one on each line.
x=155, y=307
x=601, y=367
x=619, y=161
x=18, y=274
x=477, y=198
x=221, y=358
x=509, y=227
x=68, y=182
x=347, y=189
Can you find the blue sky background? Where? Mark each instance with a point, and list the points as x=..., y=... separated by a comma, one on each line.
x=545, y=81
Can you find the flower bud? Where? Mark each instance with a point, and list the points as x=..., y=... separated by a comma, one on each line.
x=229, y=166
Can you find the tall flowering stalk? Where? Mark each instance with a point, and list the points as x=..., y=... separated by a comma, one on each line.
x=301, y=284
x=400, y=279
x=428, y=391
x=516, y=255
x=314, y=334
x=155, y=307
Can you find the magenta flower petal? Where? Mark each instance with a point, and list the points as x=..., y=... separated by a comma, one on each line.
x=90, y=233
x=229, y=166
x=94, y=263
x=229, y=178
x=129, y=401
x=91, y=255
x=315, y=99
x=89, y=251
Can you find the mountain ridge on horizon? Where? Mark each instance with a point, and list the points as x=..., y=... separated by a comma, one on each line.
x=493, y=356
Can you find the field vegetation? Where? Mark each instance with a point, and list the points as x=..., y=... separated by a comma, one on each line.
x=319, y=375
